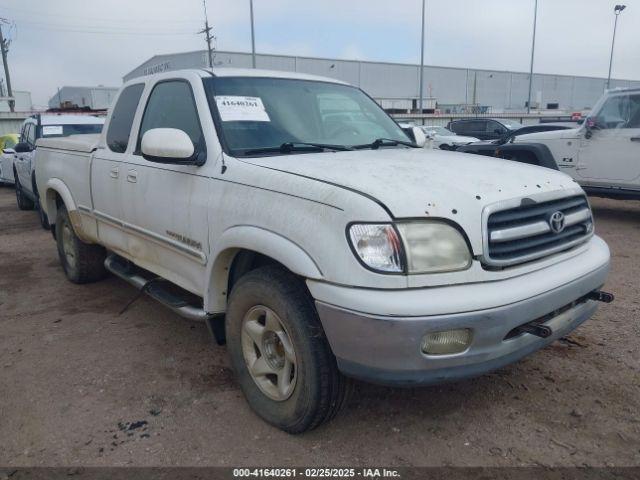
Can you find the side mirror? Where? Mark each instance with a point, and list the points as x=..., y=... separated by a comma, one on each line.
x=590, y=125
x=9, y=151
x=498, y=131
x=419, y=135
x=23, y=147
x=167, y=145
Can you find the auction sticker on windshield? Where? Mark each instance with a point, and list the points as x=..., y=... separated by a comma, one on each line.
x=241, y=109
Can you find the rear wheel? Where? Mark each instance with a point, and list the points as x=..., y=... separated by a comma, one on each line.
x=24, y=202
x=279, y=352
x=82, y=262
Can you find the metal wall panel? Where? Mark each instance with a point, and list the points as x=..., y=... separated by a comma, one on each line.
x=500, y=90
x=389, y=81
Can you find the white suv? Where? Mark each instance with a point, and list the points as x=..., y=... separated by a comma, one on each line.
x=602, y=155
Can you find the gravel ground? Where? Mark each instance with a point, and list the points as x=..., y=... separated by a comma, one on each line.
x=82, y=384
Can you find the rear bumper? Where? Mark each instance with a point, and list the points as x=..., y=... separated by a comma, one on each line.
x=386, y=348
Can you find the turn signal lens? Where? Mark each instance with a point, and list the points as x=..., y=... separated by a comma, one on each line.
x=447, y=342
x=377, y=245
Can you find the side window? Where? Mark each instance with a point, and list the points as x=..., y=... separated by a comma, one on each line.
x=23, y=132
x=31, y=134
x=495, y=127
x=171, y=105
x=122, y=118
x=476, y=126
x=621, y=111
x=460, y=127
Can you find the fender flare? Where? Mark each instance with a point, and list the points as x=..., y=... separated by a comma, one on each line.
x=56, y=186
x=259, y=240
x=541, y=152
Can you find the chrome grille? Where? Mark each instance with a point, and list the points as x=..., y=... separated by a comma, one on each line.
x=526, y=233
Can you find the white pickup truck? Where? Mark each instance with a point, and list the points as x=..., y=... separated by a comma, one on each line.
x=23, y=162
x=295, y=217
x=603, y=154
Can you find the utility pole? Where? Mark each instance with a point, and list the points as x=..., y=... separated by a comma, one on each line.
x=617, y=11
x=533, y=49
x=4, y=46
x=420, y=104
x=253, y=36
x=207, y=32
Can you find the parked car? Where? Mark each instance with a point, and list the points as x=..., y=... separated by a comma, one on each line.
x=445, y=139
x=488, y=147
x=34, y=128
x=603, y=154
x=483, y=128
x=7, y=142
x=320, y=250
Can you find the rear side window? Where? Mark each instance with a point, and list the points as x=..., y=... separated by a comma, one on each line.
x=122, y=118
x=31, y=134
x=171, y=105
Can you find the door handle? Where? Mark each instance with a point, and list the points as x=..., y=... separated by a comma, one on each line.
x=635, y=139
x=114, y=173
x=132, y=176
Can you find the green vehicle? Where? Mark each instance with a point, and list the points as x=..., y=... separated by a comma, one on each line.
x=7, y=142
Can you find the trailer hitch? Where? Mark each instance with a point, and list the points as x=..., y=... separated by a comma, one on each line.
x=601, y=296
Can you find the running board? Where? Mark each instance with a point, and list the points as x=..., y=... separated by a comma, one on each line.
x=180, y=301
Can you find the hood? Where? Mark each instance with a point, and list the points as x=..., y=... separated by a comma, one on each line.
x=458, y=138
x=423, y=182
x=549, y=135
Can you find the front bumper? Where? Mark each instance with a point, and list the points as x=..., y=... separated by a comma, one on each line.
x=385, y=348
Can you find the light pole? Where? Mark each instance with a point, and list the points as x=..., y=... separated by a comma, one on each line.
x=533, y=50
x=421, y=60
x=617, y=11
x=253, y=36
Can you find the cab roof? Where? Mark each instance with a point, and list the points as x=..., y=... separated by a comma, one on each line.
x=64, y=119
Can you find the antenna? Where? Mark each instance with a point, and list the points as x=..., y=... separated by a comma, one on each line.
x=207, y=32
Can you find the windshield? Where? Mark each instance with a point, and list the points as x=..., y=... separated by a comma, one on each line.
x=260, y=113
x=511, y=124
x=439, y=131
x=66, y=130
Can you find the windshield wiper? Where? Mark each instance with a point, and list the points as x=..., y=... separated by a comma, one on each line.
x=385, y=142
x=288, y=147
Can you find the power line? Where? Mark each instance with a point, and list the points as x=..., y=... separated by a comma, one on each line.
x=103, y=31
x=119, y=21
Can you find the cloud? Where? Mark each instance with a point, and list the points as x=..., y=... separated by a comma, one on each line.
x=75, y=42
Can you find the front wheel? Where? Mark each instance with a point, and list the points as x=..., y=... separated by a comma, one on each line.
x=279, y=352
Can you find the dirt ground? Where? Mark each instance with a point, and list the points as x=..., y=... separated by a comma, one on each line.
x=82, y=384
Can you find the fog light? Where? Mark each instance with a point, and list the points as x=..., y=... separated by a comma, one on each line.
x=446, y=342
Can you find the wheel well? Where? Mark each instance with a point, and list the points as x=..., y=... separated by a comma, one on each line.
x=244, y=262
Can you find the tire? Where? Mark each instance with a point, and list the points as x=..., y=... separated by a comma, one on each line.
x=44, y=219
x=24, y=203
x=316, y=389
x=81, y=262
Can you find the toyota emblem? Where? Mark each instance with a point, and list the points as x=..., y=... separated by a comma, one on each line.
x=556, y=222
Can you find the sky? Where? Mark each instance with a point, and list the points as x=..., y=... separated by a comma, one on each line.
x=96, y=42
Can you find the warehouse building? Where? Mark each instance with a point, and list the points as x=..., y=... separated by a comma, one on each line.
x=22, y=101
x=90, y=98
x=395, y=86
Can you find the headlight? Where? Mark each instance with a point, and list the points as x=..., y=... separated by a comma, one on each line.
x=426, y=247
x=377, y=246
x=434, y=246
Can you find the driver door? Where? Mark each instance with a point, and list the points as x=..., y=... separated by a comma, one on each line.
x=613, y=151
x=22, y=161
